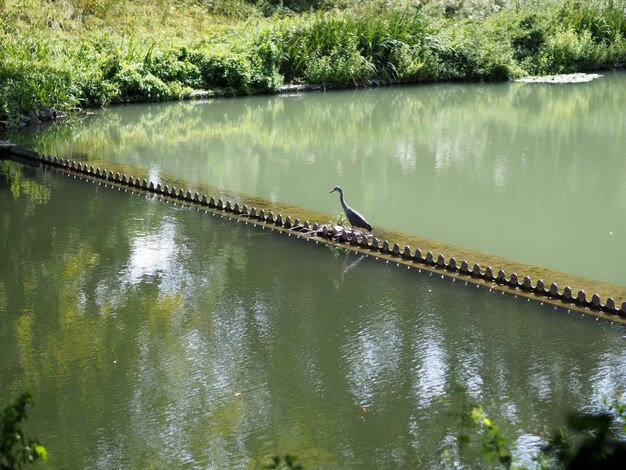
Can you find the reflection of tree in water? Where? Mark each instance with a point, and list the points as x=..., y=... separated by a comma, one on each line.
x=271, y=122
x=376, y=135
x=233, y=344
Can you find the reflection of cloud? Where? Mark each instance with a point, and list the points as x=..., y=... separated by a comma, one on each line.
x=500, y=173
x=375, y=352
x=405, y=152
x=608, y=379
x=431, y=373
x=152, y=254
x=154, y=174
x=445, y=155
x=525, y=448
x=470, y=371
x=540, y=382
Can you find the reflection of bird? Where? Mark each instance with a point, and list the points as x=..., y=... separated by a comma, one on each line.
x=355, y=219
x=345, y=267
x=350, y=266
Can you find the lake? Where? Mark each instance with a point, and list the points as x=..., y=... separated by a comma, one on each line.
x=154, y=335
x=531, y=172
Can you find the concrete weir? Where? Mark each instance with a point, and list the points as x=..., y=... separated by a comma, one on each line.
x=519, y=285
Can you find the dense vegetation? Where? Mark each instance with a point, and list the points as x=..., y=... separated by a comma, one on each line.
x=16, y=449
x=69, y=54
x=586, y=441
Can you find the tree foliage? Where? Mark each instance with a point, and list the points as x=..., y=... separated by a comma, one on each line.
x=120, y=51
x=16, y=449
x=585, y=441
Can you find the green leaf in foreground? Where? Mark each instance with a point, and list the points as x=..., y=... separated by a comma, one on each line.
x=15, y=448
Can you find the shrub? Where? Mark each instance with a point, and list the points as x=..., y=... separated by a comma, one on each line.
x=97, y=91
x=15, y=448
x=133, y=81
x=340, y=65
x=415, y=63
x=27, y=87
x=567, y=51
x=529, y=35
x=266, y=56
x=477, y=54
x=50, y=58
x=604, y=20
x=173, y=66
x=226, y=69
x=362, y=44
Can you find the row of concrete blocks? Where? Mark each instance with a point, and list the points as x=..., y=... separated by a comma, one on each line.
x=488, y=274
x=355, y=239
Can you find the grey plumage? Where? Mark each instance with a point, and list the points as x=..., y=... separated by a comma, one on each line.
x=355, y=219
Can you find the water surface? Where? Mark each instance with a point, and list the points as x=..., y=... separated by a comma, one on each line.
x=533, y=172
x=157, y=336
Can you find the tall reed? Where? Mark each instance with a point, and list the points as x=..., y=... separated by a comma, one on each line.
x=76, y=53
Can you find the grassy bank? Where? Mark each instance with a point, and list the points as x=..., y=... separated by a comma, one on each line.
x=80, y=53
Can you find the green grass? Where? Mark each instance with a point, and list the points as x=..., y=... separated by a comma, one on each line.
x=83, y=53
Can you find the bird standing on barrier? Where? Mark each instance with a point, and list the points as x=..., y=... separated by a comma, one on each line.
x=355, y=219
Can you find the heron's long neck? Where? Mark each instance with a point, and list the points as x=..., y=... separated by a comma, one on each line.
x=343, y=202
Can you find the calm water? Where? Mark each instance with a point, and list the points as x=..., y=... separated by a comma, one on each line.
x=530, y=172
x=153, y=335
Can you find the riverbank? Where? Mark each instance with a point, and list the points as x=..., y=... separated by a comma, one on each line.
x=67, y=56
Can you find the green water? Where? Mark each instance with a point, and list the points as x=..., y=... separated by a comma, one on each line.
x=155, y=336
x=532, y=172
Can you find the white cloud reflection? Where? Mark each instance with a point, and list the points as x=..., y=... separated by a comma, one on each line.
x=373, y=354
x=152, y=254
x=432, y=369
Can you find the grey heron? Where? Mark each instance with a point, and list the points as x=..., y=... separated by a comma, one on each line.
x=355, y=219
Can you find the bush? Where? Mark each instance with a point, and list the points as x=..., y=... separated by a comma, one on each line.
x=97, y=91
x=604, y=20
x=49, y=58
x=173, y=66
x=29, y=87
x=340, y=66
x=228, y=70
x=586, y=441
x=361, y=45
x=132, y=81
x=568, y=51
x=528, y=36
x=266, y=56
x=415, y=63
x=477, y=54
x=15, y=448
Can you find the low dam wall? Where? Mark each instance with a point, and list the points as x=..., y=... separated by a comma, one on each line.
x=493, y=278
